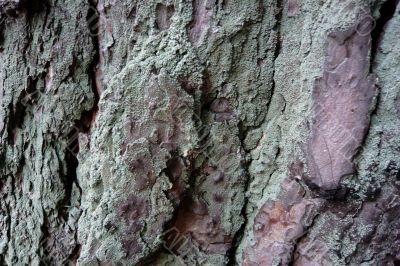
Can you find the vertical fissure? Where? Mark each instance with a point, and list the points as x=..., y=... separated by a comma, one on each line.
x=245, y=163
x=85, y=123
x=277, y=27
x=93, y=19
x=242, y=134
x=386, y=11
x=278, y=44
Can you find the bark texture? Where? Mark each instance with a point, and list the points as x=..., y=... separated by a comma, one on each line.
x=203, y=132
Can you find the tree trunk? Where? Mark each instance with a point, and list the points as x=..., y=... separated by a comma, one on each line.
x=203, y=132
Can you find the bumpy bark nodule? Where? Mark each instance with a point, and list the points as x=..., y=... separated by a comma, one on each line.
x=203, y=132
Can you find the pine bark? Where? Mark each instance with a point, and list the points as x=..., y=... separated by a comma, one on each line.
x=203, y=132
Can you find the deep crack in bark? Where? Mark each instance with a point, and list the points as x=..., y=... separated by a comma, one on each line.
x=87, y=119
x=386, y=11
x=242, y=135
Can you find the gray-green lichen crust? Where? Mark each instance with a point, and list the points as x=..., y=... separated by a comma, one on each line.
x=167, y=134
x=44, y=88
x=203, y=132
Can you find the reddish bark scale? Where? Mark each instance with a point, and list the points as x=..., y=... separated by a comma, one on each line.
x=342, y=101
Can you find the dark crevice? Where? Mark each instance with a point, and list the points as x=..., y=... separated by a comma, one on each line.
x=237, y=238
x=69, y=177
x=83, y=125
x=46, y=16
x=18, y=111
x=132, y=13
x=28, y=7
x=34, y=6
x=206, y=94
x=88, y=117
x=31, y=8
x=201, y=112
x=277, y=27
x=2, y=36
x=278, y=47
x=176, y=168
x=45, y=243
x=8, y=8
x=68, y=180
x=93, y=18
x=242, y=134
x=16, y=117
x=245, y=164
x=73, y=258
x=386, y=11
x=184, y=196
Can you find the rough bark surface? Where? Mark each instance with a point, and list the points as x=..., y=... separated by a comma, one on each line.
x=203, y=132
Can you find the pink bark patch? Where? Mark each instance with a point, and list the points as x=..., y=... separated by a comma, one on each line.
x=201, y=22
x=279, y=224
x=293, y=7
x=131, y=212
x=342, y=101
